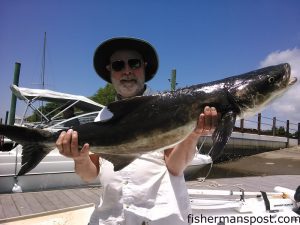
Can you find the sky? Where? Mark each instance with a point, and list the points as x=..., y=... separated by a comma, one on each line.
x=204, y=40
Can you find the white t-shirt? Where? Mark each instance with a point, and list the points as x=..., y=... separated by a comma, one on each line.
x=143, y=193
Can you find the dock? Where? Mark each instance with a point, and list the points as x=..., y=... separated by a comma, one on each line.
x=28, y=203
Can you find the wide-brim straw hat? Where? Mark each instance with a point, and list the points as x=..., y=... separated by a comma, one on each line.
x=107, y=48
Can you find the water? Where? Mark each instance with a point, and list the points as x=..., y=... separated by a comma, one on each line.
x=280, y=162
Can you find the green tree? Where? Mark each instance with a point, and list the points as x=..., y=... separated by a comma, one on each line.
x=296, y=134
x=280, y=131
x=105, y=95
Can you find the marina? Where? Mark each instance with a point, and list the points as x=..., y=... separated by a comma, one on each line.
x=54, y=194
x=239, y=57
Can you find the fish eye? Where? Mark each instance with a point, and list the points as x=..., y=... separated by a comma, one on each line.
x=271, y=79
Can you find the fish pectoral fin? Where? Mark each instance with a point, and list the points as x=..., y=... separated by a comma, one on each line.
x=222, y=134
x=32, y=155
x=119, y=161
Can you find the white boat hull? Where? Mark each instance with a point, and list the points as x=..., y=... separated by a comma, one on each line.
x=54, y=171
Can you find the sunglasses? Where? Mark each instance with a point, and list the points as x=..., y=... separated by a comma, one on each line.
x=120, y=64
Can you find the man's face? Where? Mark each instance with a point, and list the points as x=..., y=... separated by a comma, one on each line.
x=127, y=70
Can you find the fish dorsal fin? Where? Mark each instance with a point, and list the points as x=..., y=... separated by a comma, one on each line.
x=222, y=134
x=119, y=161
x=123, y=107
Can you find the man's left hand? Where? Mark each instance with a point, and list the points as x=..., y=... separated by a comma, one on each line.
x=207, y=122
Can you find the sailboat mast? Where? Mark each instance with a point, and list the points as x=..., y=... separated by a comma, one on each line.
x=43, y=63
x=43, y=71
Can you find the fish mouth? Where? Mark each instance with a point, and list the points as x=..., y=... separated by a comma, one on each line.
x=292, y=81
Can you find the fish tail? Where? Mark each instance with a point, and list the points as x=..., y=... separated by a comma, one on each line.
x=35, y=144
x=32, y=155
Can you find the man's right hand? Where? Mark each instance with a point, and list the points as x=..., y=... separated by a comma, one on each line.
x=67, y=144
x=86, y=165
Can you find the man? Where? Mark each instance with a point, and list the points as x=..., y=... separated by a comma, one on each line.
x=151, y=190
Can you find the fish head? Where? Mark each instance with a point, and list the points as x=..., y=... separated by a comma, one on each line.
x=254, y=90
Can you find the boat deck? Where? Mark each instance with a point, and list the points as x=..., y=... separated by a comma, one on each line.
x=20, y=204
